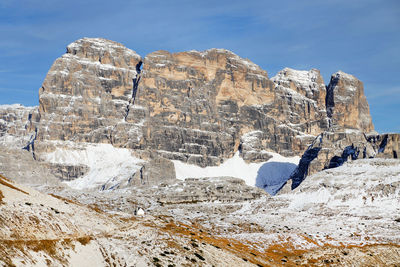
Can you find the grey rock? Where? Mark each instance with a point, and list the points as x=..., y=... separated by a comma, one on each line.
x=19, y=165
x=67, y=172
x=222, y=189
x=347, y=106
x=155, y=171
x=332, y=149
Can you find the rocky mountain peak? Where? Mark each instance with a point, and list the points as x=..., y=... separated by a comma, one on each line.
x=347, y=106
x=87, y=91
x=191, y=106
x=308, y=83
x=103, y=51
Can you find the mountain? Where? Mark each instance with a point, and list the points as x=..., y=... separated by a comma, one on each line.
x=194, y=107
x=191, y=106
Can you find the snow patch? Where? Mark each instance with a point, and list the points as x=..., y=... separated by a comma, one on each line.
x=272, y=176
x=233, y=167
x=16, y=106
x=107, y=164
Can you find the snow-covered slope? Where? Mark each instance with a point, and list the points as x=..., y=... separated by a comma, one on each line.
x=348, y=216
x=264, y=174
x=365, y=187
x=108, y=166
x=43, y=230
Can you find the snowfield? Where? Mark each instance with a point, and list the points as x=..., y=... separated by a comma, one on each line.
x=108, y=166
x=238, y=168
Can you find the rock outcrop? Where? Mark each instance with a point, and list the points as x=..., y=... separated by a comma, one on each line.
x=332, y=149
x=346, y=104
x=15, y=125
x=87, y=94
x=155, y=171
x=221, y=189
x=197, y=107
x=20, y=165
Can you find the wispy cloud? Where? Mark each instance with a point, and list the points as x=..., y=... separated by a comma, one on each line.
x=6, y=70
x=13, y=90
x=385, y=92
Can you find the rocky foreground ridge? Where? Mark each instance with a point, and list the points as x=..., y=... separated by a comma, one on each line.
x=195, y=107
x=347, y=216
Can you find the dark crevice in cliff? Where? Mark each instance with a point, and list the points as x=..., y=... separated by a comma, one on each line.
x=135, y=86
x=330, y=100
x=383, y=144
x=349, y=151
x=136, y=82
x=31, y=144
x=301, y=172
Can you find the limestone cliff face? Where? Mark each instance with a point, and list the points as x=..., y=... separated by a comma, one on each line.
x=195, y=100
x=198, y=107
x=301, y=100
x=203, y=106
x=16, y=125
x=14, y=119
x=87, y=92
x=346, y=103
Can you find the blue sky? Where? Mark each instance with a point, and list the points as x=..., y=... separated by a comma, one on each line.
x=360, y=37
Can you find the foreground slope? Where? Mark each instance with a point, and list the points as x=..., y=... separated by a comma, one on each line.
x=342, y=216
x=46, y=230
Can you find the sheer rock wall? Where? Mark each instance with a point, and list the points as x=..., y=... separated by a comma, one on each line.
x=198, y=107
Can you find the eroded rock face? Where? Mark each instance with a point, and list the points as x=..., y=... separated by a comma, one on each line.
x=20, y=165
x=66, y=172
x=222, y=189
x=347, y=106
x=301, y=100
x=87, y=93
x=194, y=100
x=197, y=107
x=15, y=124
x=155, y=171
x=333, y=149
x=203, y=106
x=389, y=145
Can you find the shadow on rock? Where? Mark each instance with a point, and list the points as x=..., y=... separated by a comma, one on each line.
x=272, y=176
